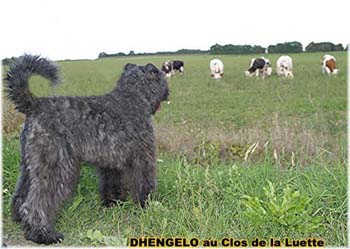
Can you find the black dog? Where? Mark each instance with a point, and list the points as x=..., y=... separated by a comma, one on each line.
x=113, y=132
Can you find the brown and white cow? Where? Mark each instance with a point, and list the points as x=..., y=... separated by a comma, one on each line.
x=328, y=64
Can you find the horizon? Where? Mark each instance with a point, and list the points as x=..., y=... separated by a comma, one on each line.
x=141, y=53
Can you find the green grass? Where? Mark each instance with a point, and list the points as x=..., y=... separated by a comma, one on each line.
x=299, y=127
x=235, y=100
x=195, y=201
x=305, y=116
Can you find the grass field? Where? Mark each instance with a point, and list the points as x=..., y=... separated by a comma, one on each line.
x=238, y=157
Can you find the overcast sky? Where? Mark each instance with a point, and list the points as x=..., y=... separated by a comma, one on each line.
x=76, y=29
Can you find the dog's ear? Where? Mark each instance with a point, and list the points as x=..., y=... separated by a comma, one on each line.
x=129, y=66
x=151, y=68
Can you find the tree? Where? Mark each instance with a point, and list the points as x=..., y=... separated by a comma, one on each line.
x=339, y=47
x=236, y=49
x=102, y=54
x=8, y=61
x=287, y=47
x=323, y=47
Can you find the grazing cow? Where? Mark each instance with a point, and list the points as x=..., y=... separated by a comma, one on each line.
x=216, y=68
x=259, y=67
x=167, y=68
x=178, y=66
x=328, y=64
x=284, y=66
x=170, y=67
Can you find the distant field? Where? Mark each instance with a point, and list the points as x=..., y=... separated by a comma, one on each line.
x=235, y=100
x=220, y=142
x=305, y=116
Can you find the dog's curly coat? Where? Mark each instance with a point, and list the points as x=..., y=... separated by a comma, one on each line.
x=113, y=132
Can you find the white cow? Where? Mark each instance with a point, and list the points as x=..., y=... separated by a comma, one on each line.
x=285, y=66
x=216, y=68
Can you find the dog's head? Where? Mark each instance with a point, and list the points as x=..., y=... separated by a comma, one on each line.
x=147, y=82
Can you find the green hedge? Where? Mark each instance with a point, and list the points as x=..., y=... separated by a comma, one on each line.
x=323, y=47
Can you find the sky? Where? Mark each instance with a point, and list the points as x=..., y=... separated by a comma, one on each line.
x=81, y=29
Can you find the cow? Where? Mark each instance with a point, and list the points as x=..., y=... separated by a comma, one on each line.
x=216, y=68
x=328, y=64
x=284, y=66
x=259, y=67
x=178, y=66
x=170, y=67
x=167, y=68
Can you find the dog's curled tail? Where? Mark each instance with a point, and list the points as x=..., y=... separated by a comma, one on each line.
x=17, y=78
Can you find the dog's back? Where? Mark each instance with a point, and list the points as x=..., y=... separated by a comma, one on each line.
x=87, y=125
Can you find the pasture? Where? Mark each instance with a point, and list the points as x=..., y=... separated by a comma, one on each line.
x=238, y=157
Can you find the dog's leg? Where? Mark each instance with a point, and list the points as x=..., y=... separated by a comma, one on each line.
x=23, y=181
x=111, y=187
x=143, y=177
x=21, y=192
x=53, y=175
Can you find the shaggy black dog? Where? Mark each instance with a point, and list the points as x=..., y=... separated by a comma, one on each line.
x=113, y=132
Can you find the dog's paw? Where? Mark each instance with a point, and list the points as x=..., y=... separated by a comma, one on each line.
x=43, y=236
x=109, y=203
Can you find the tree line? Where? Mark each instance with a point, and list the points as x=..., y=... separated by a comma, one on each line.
x=132, y=53
x=286, y=47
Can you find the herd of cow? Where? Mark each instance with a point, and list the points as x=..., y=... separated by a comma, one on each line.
x=260, y=67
